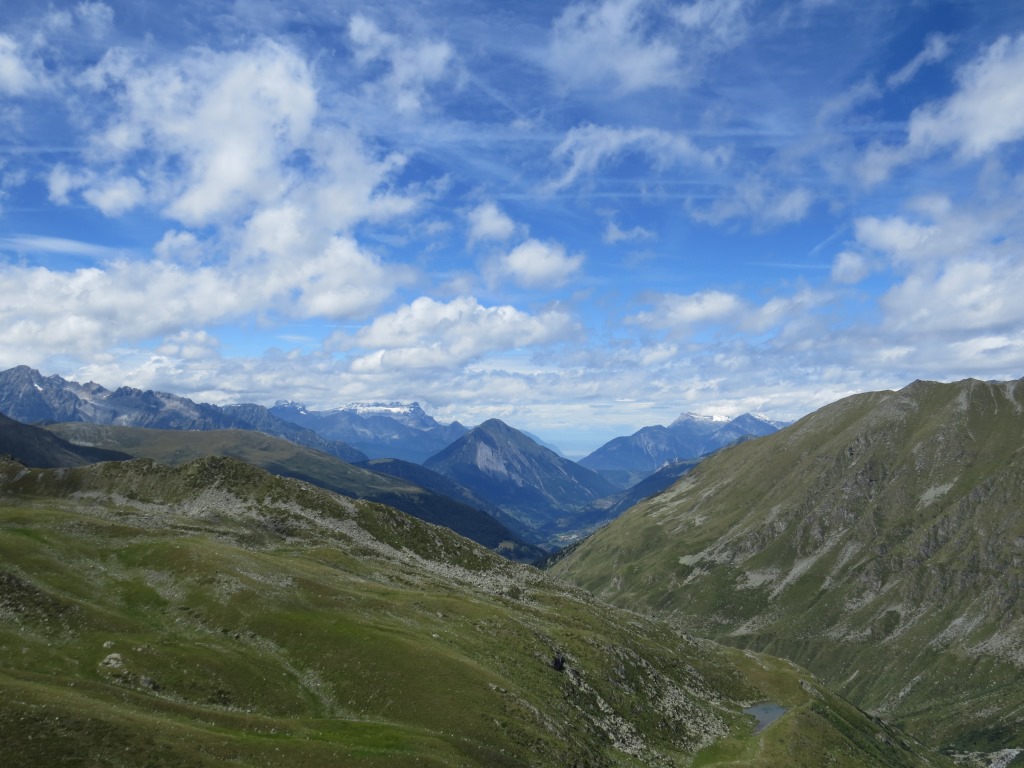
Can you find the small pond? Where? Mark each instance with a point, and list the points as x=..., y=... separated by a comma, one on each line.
x=765, y=713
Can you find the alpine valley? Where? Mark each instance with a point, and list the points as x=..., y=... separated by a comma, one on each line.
x=190, y=584
x=215, y=614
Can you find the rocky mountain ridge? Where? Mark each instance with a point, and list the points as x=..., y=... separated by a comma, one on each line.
x=628, y=459
x=443, y=506
x=380, y=430
x=29, y=397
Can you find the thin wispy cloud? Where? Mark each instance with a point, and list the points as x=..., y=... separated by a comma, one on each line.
x=59, y=245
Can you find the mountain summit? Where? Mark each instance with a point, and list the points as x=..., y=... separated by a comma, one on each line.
x=533, y=484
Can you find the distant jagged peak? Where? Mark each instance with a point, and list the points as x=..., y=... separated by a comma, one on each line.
x=764, y=418
x=690, y=416
x=386, y=408
x=291, y=405
x=361, y=407
x=27, y=374
x=24, y=370
x=719, y=420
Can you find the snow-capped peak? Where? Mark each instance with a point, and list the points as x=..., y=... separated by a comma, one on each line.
x=691, y=416
x=393, y=408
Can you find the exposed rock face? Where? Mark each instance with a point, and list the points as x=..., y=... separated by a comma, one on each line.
x=879, y=541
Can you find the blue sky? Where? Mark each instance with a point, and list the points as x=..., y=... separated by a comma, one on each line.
x=581, y=218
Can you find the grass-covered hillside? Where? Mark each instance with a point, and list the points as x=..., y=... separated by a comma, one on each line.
x=287, y=459
x=214, y=614
x=878, y=541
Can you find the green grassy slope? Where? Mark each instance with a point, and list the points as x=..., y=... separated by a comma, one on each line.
x=287, y=459
x=215, y=614
x=879, y=542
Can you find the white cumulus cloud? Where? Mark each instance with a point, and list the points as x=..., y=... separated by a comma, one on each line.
x=412, y=66
x=675, y=310
x=115, y=196
x=613, y=234
x=228, y=124
x=850, y=268
x=488, y=222
x=539, y=264
x=17, y=75
x=614, y=42
x=432, y=334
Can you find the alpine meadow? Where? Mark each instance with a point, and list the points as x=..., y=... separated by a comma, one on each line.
x=564, y=384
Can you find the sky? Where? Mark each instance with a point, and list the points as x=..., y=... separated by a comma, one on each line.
x=581, y=218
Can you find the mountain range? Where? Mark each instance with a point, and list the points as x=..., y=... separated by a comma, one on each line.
x=213, y=614
x=380, y=430
x=876, y=542
x=879, y=541
x=354, y=432
x=28, y=396
x=628, y=459
x=541, y=497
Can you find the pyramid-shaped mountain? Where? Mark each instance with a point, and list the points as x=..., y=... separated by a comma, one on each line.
x=528, y=481
x=443, y=506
